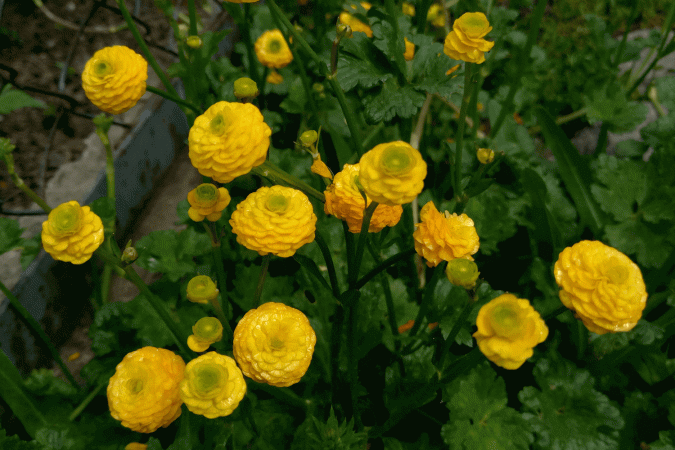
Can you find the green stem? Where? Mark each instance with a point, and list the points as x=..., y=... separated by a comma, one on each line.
x=222, y=282
x=361, y=245
x=337, y=89
x=555, y=313
x=349, y=243
x=352, y=367
x=261, y=279
x=624, y=39
x=248, y=42
x=560, y=120
x=144, y=48
x=192, y=12
x=18, y=182
x=391, y=312
x=428, y=298
x=285, y=395
x=37, y=329
x=76, y=412
x=384, y=265
x=325, y=251
x=456, y=327
x=278, y=176
x=459, y=139
x=174, y=98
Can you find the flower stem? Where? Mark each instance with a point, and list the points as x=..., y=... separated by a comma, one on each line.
x=174, y=99
x=456, y=327
x=279, y=176
x=18, y=182
x=103, y=123
x=361, y=245
x=428, y=297
x=192, y=12
x=382, y=266
x=321, y=242
x=76, y=412
x=261, y=279
x=37, y=329
x=459, y=139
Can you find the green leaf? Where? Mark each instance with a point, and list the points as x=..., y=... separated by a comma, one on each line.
x=661, y=132
x=13, y=393
x=430, y=66
x=10, y=234
x=168, y=252
x=384, y=37
x=636, y=238
x=31, y=248
x=14, y=443
x=624, y=186
x=296, y=100
x=665, y=88
x=360, y=63
x=666, y=441
x=610, y=106
x=568, y=413
x=151, y=328
x=42, y=382
x=104, y=207
x=110, y=330
x=392, y=101
x=546, y=227
x=12, y=99
x=333, y=435
x=573, y=171
x=479, y=417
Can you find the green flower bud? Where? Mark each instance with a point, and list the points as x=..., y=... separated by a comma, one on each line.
x=208, y=329
x=201, y=289
x=194, y=42
x=129, y=255
x=245, y=88
x=309, y=137
x=343, y=31
x=485, y=155
x=462, y=272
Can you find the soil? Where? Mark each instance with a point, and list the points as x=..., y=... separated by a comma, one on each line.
x=33, y=48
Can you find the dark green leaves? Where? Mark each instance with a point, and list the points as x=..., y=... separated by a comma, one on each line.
x=611, y=106
x=171, y=252
x=360, y=63
x=12, y=99
x=393, y=100
x=479, y=417
x=10, y=234
x=568, y=413
x=333, y=435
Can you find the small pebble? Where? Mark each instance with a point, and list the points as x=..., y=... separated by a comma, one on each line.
x=70, y=6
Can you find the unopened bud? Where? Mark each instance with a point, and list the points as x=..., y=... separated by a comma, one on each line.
x=245, y=88
x=343, y=31
x=309, y=137
x=194, y=42
x=201, y=289
x=462, y=272
x=485, y=155
x=129, y=255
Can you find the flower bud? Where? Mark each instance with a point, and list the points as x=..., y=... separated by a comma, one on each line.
x=343, y=31
x=309, y=137
x=318, y=88
x=206, y=331
x=129, y=255
x=245, y=88
x=201, y=289
x=462, y=272
x=194, y=42
x=485, y=155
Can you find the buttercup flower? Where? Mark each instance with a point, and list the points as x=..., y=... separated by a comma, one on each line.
x=272, y=50
x=465, y=42
x=72, y=233
x=274, y=344
x=274, y=77
x=444, y=237
x=462, y=272
x=277, y=220
x=143, y=394
x=354, y=23
x=392, y=173
x=409, y=50
x=207, y=202
x=436, y=16
x=201, y=289
x=207, y=331
x=114, y=79
x=485, y=155
x=213, y=385
x=344, y=201
x=508, y=329
x=228, y=140
x=320, y=168
x=601, y=285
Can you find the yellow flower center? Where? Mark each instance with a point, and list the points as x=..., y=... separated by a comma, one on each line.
x=135, y=385
x=102, y=68
x=277, y=343
x=277, y=203
x=396, y=160
x=617, y=272
x=207, y=328
x=206, y=194
x=475, y=22
x=274, y=46
x=201, y=289
x=66, y=219
x=208, y=376
x=218, y=125
x=506, y=321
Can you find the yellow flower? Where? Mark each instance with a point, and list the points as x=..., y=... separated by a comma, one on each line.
x=465, y=42
x=228, y=140
x=508, y=329
x=114, y=79
x=207, y=202
x=274, y=77
x=320, y=168
x=201, y=289
x=444, y=237
x=601, y=285
x=354, y=23
x=277, y=220
x=274, y=344
x=409, y=50
x=207, y=331
x=213, y=385
x=245, y=88
x=436, y=16
x=462, y=272
x=344, y=201
x=143, y=394
x=485, y=155
x=392, y=173
x=450, y=71
x=135, y=446
x=408, y=9
x=72, y=233
x=272, y=50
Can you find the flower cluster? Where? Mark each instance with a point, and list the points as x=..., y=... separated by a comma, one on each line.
x=277, y=220
x=114, y=79
x=274, y=344
x=444, y=237
x=72, y=233
x=213, y=385
x=392, y=173
x=207, y=202
x=601, y=285
x=144, y=392
x=228, y=140
x=508, y=329
x=344, y=201
x=465, y=42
